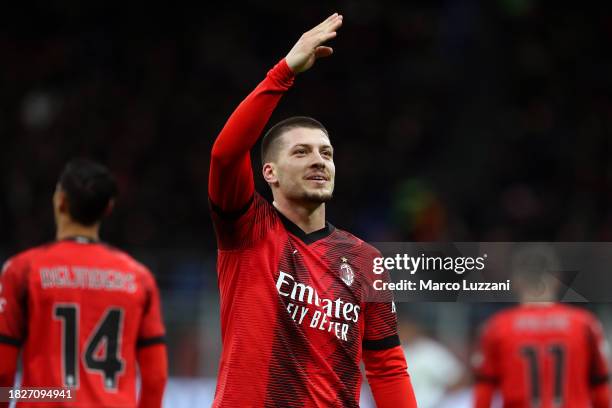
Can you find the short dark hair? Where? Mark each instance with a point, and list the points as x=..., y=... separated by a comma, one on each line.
x=89, y=187
x=268, y=143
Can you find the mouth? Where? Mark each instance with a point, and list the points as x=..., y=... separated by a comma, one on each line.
x=318, y=178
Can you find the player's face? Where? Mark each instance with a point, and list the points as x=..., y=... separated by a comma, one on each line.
x=305, y=169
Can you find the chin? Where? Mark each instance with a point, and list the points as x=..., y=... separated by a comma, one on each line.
x=318, y=196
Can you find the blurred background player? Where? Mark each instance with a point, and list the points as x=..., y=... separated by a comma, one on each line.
x=85, y=315
x=295, y=321
x=434, y=370
x=542, y=354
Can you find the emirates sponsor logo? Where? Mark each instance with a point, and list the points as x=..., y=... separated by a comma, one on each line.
x=331, y=315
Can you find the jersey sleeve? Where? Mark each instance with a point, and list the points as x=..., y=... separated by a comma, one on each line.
x=237, y=211
x=380, y=326
x=383, y=357
x=230, y=183
x=151, y=329
x=13, y=306
x=379, y=313
x=485, y=363
x=388, y=377
x=598, y=353
x=486, y=358
x=244, y=230
x=153, y=366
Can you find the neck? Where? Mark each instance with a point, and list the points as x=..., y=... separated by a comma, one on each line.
x=308, y=218
x=537, y=300
x=68, y=229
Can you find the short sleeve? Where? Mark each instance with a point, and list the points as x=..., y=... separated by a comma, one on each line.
x=152, y=329
x=13, y=298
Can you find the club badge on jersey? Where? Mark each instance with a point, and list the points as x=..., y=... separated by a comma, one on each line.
x=346, y=272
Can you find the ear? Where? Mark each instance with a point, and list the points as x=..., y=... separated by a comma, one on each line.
x=61, y=201
x=269, y=173
x=109, y=207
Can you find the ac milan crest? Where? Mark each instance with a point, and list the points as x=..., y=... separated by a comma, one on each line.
x=346, y=272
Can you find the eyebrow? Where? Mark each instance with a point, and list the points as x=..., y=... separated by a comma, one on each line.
x=325, y=146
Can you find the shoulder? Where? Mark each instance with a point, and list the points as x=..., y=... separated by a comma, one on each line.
x=343, y=236
x=262, y=207
x=243, y=229
x=127, y=264
x=126, y=260
x=354, y=250
x=258, y=211
x=502, y=319
x=580, y=314
x=22, y=259
x=255, y=203
x=511, y=314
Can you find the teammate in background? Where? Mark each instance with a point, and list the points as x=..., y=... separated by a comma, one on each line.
x=542, y=354
x=86, y=316
x=435, y=370
x=294, y=318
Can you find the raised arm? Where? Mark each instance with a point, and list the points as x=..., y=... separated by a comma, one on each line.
x=230, y=183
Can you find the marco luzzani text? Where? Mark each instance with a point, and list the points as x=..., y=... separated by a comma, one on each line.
x=412, y=264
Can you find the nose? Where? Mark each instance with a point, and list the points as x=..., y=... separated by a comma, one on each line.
x=317, y=160
x=318, y=163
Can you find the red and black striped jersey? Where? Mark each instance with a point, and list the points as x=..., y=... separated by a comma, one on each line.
x=80, y=309
x=543, y=355
x=296, y=311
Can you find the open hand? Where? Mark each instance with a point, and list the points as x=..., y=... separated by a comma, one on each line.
x=309, y=47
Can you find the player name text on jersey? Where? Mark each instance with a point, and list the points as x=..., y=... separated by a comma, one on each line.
x=79, y=277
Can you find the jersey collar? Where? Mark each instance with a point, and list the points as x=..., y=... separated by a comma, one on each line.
x=304, y=237
x=80, y=239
